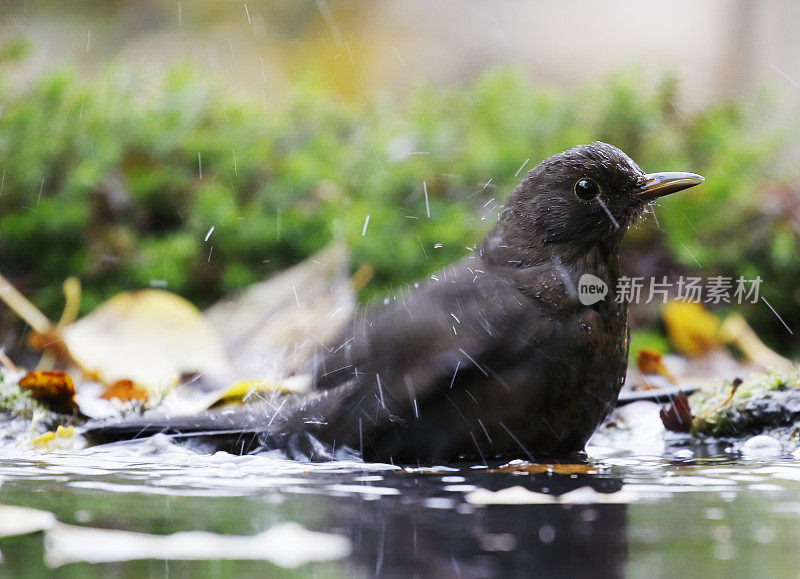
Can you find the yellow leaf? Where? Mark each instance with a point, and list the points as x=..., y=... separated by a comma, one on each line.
x=44, y=439
x=240, y=391
x=692, y=329
x=150, y=337
x=65, y=432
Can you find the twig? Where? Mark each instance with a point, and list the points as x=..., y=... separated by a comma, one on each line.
x=23, y=307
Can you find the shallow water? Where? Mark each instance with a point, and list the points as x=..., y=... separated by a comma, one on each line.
x=679, y=514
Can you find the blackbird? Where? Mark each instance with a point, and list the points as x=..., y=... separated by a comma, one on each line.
x=519, y=349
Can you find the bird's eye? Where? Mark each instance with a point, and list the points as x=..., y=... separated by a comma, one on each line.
x=587, y=189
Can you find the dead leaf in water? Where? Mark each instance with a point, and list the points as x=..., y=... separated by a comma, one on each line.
x=692, y=329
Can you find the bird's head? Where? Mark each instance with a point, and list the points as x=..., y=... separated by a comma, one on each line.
x=583, y=197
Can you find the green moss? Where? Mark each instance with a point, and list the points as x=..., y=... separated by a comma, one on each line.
x=754, y=405
x=15, y=402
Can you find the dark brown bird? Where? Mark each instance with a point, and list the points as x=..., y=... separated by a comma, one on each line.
x=505, y=353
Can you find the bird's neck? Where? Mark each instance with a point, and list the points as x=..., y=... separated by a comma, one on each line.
x=539, y=266
x=522, y=248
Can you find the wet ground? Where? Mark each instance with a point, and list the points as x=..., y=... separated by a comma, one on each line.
x=677, y=511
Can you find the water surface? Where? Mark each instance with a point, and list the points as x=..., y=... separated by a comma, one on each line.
x=687, y=511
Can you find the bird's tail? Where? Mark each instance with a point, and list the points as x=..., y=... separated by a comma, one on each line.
x=293, y=426
x=236, y=431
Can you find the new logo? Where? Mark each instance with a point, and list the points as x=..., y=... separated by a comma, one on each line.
x=591, y=289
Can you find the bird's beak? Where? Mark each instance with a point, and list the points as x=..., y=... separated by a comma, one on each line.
x=660, y=184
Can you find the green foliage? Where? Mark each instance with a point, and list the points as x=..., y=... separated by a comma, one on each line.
x=102, y=179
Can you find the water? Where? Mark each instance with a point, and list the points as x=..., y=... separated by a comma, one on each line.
x=685, y=512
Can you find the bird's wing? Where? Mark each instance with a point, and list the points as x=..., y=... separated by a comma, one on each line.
x=464, y=320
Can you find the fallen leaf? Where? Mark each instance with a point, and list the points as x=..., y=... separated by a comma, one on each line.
x=125, y=391
x=184, y=401
x=649, y=362
x=50, y=341
x=43, y=439
x=273, y=328
x=677, y=415
x=243, y=390
x=150, y=337
x=62, y=439
x=692, y=329
x=51, y=388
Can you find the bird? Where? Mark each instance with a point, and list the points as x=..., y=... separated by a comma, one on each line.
x=510, y=352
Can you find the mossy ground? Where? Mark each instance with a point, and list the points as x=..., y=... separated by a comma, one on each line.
x=761, y=402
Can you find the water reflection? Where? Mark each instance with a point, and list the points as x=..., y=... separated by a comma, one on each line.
x=432, y=538
x=690, y=514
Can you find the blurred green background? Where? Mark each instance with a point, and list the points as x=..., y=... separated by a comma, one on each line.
x=129, y=129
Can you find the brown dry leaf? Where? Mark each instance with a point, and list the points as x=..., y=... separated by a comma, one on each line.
x=692, y=329
x=150, y=337
x=649, y=362
x=125, y=391
x=677, y=417
x=51, y=388
x=536, y=468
